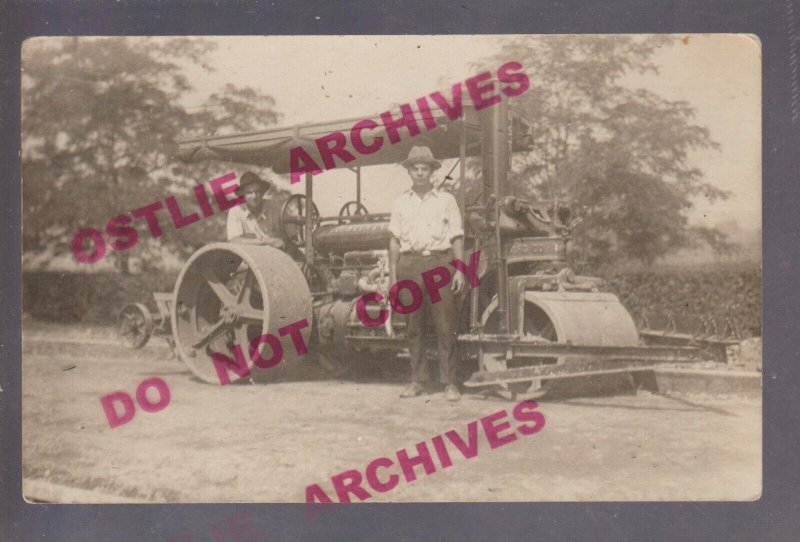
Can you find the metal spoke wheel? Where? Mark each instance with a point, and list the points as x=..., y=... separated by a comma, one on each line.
x=350, y=209
x=229, y=294
x=134, y=325
x=293, y=219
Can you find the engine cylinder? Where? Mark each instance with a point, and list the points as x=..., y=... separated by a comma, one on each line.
x=338, y=239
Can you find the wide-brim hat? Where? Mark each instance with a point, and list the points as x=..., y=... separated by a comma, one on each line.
x=249, y=179
x=423, y=155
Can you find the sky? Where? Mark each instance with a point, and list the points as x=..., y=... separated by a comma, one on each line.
x=317, y=78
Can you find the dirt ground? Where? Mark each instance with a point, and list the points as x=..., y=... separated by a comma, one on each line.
x=267, y=442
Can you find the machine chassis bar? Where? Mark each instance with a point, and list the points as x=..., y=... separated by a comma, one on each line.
x=553, y=371
x=516, y=348
x=521, y=348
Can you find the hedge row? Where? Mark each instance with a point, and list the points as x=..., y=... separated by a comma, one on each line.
x=93, y=298
x=689, y=293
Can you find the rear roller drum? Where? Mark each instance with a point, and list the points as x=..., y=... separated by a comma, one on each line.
x=578, y=318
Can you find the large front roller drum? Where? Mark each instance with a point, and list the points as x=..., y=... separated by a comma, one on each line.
x=229, y=294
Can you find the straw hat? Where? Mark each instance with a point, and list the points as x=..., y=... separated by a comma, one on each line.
x=423, y=155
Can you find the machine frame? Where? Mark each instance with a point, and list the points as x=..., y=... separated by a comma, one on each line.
x=523, y=248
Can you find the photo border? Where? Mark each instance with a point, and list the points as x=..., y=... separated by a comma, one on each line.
x=774, y=517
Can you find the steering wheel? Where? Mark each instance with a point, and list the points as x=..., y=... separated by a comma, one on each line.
x=293, y=219
x=351, y=208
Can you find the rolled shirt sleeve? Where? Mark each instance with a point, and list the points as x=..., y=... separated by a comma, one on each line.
x=234, y=225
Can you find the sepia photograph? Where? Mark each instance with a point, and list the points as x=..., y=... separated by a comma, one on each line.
x=437, y=268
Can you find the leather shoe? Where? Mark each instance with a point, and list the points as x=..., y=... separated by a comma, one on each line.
x=451, y=393
x=413, y=390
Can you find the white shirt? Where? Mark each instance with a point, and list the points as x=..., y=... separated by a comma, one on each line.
x=423, y=223
x=241, y=221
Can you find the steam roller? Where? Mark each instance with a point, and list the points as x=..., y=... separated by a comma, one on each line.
x=228, y=295
x=531, y=319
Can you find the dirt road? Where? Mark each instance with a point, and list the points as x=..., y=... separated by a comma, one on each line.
x=266, y=443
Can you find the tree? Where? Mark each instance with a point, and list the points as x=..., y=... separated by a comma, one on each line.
x=619, y=155
x=100, y=121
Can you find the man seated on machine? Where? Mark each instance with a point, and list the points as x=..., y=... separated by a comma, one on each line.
x=253, y=223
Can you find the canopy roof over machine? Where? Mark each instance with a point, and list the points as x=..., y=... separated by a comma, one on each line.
x=271, y=148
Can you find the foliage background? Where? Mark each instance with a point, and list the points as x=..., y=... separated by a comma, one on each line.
x=619, y=156
x=101, y=118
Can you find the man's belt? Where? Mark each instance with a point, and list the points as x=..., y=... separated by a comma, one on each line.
x=426, y=252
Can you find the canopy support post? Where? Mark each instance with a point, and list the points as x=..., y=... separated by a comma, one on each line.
x=309, y=226
x=499, y=144
x=474, y=293
x=358, y=187
x=462, y=170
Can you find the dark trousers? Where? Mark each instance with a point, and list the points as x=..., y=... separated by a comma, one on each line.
x=442, y=314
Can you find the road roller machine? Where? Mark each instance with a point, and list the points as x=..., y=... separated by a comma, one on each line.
x=531, y=319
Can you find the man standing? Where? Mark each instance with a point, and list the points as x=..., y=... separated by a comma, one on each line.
x=251, y=222
x=427, y=233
